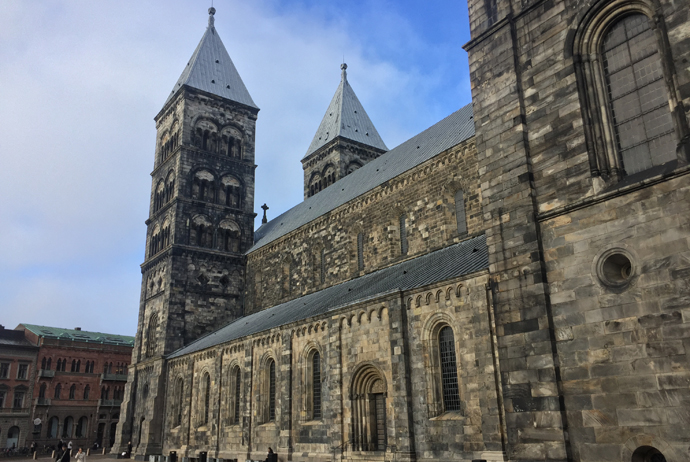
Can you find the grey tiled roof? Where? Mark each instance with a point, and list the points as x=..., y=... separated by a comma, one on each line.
x=452, y=130
x=210, y=69
x=347, y=118
x=456, y=260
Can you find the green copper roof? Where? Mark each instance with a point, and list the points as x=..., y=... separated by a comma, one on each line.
x=79, y=335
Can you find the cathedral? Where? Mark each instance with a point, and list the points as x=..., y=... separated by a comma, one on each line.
x=511, y=284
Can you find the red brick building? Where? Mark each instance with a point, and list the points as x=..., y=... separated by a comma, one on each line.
x=17, y=376
x=78, y=383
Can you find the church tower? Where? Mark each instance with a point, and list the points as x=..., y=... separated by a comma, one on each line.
x=346, y=140
x=200, y=224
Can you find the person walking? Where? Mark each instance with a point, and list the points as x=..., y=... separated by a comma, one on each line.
x=271, y=456
x=69, y=448
x=80, y=455
x=129, y=449
x=64, y=455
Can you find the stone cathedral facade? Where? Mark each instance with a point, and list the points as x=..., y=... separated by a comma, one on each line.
x=511, y=284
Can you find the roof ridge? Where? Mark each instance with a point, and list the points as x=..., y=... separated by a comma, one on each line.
x=448, y=132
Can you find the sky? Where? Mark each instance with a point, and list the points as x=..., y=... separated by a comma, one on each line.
x=80, y=83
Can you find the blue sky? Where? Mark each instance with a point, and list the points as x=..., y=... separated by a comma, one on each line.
x=82, y=81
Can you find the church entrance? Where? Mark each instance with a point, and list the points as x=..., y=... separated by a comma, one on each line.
x=368, y=429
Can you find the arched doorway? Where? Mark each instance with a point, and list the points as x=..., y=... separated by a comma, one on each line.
x=113, y=429
x=13, y=437
x=647, y=454
x=53, y=427
x=67, y=427
x=368, y=395
x=99, y=434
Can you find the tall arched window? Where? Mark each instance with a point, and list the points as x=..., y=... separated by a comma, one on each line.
x=638, y=96
x=403, y=234
x=87, y=389
x=59, y=365
x=42, y=391
x=72, y=391
x=238, y=388
x=81, y=427
x=360, y=251
x=460, y=217
x=67, y=427
x=50, y=360
x=43, y=363
x=58, y=390
x=626, y=96
x=449, y=370
x=207, y=398
x=53, y=427
x=152, y=335
x=78, y=365
x=271, y=368
x=179, y=401
x=316, y=385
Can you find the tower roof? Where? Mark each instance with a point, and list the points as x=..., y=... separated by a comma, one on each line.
x=210, y=69
x=347, y=118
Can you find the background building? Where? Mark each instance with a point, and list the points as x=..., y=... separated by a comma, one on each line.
x=17, y=377
x=510, y=284
x=61, y=384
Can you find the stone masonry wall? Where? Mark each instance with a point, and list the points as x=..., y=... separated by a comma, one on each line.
x=390, y=336
x=291, y=266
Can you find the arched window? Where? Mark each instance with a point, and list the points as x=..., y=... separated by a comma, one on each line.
x=42, y=391
x=152, y=335
x=72, y=391
x=316, y=385
x=81, y=427
x=87, y=389
x=170, y=186
x=58, y=390
x=207, y=399
x=449, y=370
x=43, y=363
x=159, y=196
x=626, y=98
x=270, y=390
x=53, y=427
x=50, y=360
x=360, y=251
x=78, y=365
x=460, y=217
x=67, y=427
x=403, y=234
x=203, y=186
x=179, y=402
x=323, y=266
x=59, y=365
x=237, y=377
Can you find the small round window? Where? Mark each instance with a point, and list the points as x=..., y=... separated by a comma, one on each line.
x=615, y=268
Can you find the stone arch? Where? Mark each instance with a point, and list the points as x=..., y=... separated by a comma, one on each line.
x=201, y=231
x=640, y=448
x=368, y=394
x=203, y=184
x=585, y=43
x=230, y=191
x=229, y=236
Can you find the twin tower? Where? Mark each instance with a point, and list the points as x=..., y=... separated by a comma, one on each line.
x=201, y=219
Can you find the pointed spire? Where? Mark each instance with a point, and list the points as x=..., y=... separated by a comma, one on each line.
x=346, y=118
x=210, y=69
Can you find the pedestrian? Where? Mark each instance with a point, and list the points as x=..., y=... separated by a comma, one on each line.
x=64, y=455
x=69, y=448
x=129, y=449
x=80, y=456
x=33, y=447
x=271, y=456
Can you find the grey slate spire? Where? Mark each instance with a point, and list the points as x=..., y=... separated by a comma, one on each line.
x=211, y=70
x=347, y=118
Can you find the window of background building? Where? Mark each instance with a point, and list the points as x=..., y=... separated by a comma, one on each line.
x=22, y=371
x=4, y=370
